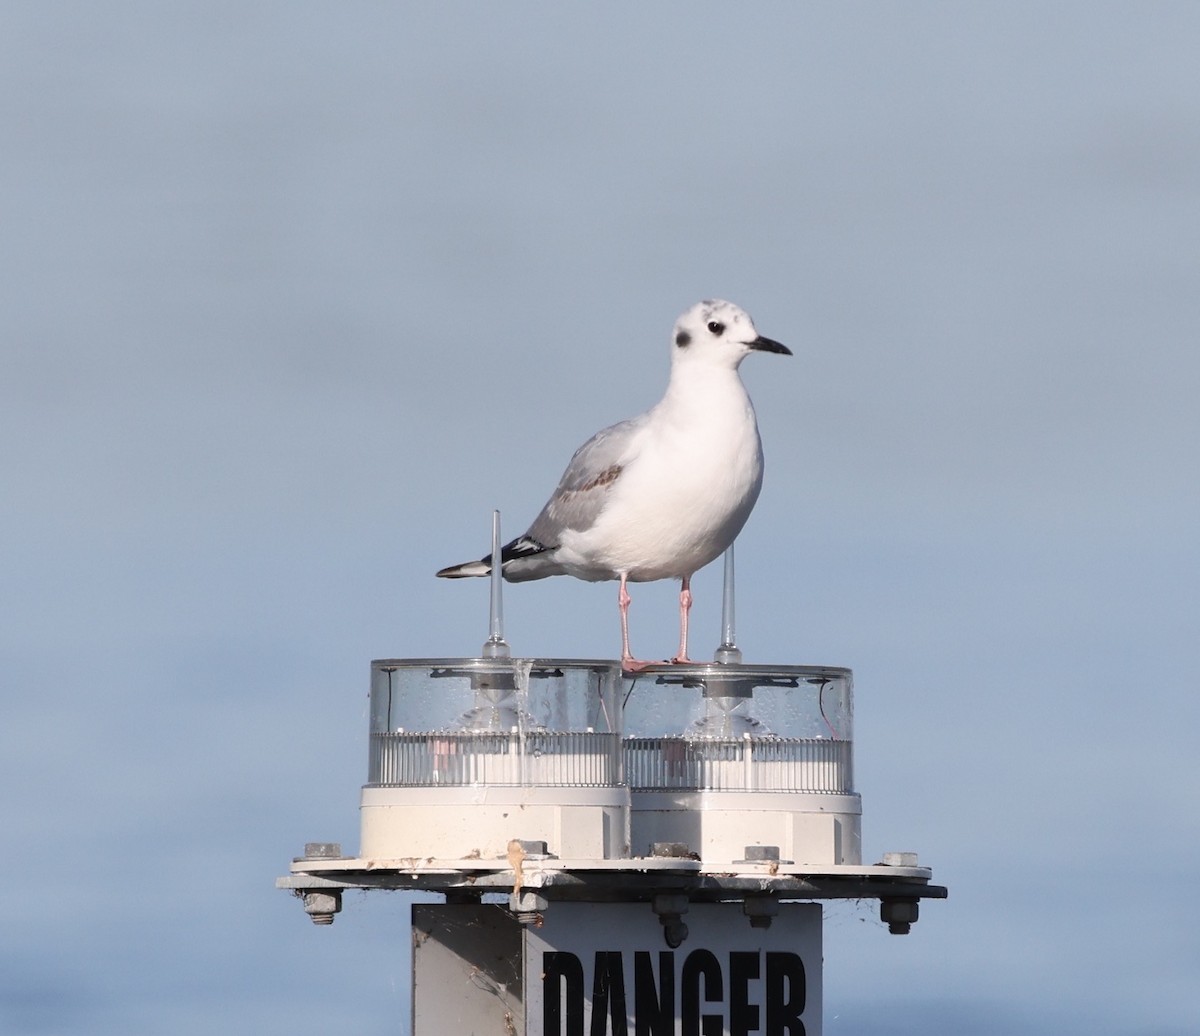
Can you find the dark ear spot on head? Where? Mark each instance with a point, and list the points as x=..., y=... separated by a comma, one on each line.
x=682, y=339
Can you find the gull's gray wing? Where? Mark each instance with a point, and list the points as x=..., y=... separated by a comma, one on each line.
x=582, y=493
x=586, y=485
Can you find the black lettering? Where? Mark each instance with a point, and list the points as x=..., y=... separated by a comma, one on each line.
x=557, y=967
x=692, y=1023
x=608, y=995
x=653, y=1003
x=785, y=994
x=743, y=1015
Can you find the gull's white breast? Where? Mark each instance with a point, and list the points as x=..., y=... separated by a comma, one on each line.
x=685, y=494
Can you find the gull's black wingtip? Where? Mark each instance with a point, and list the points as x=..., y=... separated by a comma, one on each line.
x=521, y=547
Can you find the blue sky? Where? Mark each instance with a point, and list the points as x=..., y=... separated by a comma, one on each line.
x=294, y=294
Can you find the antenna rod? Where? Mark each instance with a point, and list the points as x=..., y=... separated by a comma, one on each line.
x=495, y=646
x=728, y=652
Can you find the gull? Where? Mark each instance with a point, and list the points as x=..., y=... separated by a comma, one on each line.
x=661, y=495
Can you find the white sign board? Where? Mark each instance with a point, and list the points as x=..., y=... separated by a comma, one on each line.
x=605, y=970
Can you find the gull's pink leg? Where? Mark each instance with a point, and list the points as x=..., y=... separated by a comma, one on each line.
x=623, y=603
x=685, y=606
x=628, y=662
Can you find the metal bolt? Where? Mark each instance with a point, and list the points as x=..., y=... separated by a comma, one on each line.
x=669, y=907
x=321, y=906
x=900, y=859
x=528, y=907
x=899, y=914
x=761, y=854
x=761, y=910
x=674, y=933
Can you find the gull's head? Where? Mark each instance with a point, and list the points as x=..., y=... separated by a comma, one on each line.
x=719, y=334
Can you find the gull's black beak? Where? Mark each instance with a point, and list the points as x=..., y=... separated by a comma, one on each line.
x=769, y=345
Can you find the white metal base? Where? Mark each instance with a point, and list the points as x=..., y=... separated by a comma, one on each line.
x=480, y=821
x=808, y=829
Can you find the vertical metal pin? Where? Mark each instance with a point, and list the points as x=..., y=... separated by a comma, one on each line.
x=728, y=652
x=495, y=646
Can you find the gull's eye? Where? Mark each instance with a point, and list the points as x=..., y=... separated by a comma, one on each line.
x=716, y=327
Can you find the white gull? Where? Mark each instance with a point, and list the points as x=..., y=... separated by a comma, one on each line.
x=661, y=495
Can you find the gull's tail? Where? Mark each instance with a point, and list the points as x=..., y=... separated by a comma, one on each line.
x=519, y=549
x=469, y=568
